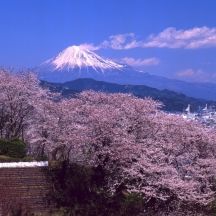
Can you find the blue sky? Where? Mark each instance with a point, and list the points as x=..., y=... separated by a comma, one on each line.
x=173, y=38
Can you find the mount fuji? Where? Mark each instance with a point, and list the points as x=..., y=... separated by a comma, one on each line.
x=77, y=62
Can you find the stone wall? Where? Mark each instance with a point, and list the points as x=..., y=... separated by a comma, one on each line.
x=25, y=186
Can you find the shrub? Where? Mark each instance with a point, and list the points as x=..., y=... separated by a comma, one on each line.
x=82, y=190
x=13, y=148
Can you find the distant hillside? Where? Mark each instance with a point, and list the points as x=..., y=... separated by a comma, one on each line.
x=173, y=101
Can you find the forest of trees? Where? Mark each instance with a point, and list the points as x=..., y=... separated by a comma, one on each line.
x=160, y=157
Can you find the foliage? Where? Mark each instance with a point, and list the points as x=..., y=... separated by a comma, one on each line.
x=82, y=191
x=13, y=148
x=6, y=159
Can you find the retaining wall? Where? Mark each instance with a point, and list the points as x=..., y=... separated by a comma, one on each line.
x=26, y=186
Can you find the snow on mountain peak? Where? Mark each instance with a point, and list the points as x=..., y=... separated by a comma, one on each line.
x=80, y=56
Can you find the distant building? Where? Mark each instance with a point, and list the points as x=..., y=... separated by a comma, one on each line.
x=206, y=115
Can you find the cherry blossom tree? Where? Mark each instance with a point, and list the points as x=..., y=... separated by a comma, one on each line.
x=20, y=95
x=150, y=152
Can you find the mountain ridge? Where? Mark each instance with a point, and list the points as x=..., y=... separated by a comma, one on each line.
x=175, y=102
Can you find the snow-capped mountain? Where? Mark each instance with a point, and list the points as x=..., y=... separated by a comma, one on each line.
x=79, y=56
x=78, y=62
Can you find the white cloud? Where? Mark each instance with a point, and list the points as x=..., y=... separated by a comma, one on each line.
x=196, y=75
x=188, y=39
x=120, y=42
x=117, y=42
x=194, y=38
x=189, y=73
x=89, y=46
x=140, y=62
